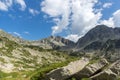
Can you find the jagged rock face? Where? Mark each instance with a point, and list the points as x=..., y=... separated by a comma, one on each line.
x=62, y=40
x=100, y=33
x=103, y=40
x=112, y=44
x=115, y=68
x=111, y=49
x=109, y=44
x=53, y=42
x=110, y=73
x=106, y=75
x=96, y=45
x=67, y=71
x=91, y=69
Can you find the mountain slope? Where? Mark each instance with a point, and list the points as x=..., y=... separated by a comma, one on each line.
x=102, y=41
x=100, y=33
x=21, y=60
x=9, y=36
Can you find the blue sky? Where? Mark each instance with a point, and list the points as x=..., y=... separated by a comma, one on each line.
x=36, y=19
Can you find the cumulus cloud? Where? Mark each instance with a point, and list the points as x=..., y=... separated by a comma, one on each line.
x=73, y=37
x=84, y=16
x=22, y=4
x=78, y=16
x=116, y=18
x=107, y=5
x=6, y=4
x=113, y=21
x=3, y=6
x=109, y=22
x=17, y=34
x=60, y=11
x=33, y=12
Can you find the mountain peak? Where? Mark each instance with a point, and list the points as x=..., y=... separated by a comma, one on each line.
x=102, y=25
x=99, y=33
x=100, y=28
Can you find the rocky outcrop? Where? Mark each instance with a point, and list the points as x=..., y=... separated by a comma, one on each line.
x=92, y=69
x=110, y=73
x=99, y=70
x=106, y=75
x=67, y=71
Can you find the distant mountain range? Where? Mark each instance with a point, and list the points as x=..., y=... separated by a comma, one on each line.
x=95, y=39
x=53, y=42
x=92, y=40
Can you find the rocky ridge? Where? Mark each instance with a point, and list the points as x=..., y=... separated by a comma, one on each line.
x=53, y=42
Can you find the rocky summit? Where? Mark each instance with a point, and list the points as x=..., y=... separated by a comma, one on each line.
x=95, y=56
x=98, y=35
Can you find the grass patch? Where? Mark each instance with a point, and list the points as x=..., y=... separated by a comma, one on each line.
x=40, y=73
x=85, y=79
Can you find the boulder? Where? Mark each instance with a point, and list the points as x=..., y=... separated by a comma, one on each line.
x=67, y=71
x=116, y=67
x=110, y=73
x=92, y=69
x=105, y=75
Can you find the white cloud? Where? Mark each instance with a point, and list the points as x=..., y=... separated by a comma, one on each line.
x=84, y=16
x=55, y=29
x=113, y=21
x=17, y=34
x=60, y=11
x=109, y=22
x=73, y=37
x=3, y=6
x=6, y=4
x=107, y=5
x=116, y=18
x=22, y=4
x=54, y=8
x=78, y=16
x=26, y=32
x=33, y=12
